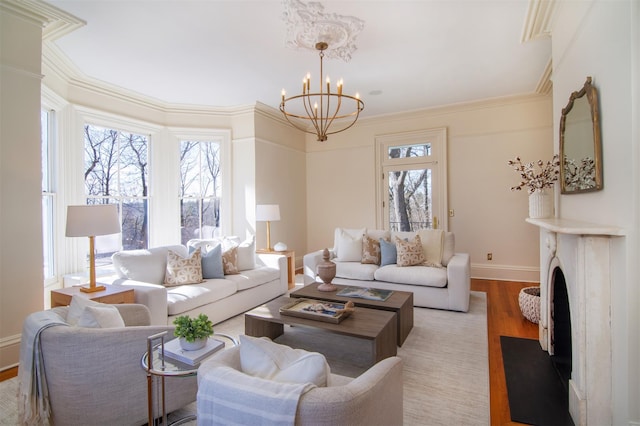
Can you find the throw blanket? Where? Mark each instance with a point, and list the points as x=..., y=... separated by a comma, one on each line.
x=33, y=394
x=227, y=396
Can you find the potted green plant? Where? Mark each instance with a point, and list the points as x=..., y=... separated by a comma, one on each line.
x=193, y=332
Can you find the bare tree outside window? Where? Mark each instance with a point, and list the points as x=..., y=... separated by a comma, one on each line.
x=116, y=172
x=410, y=192
x=200, y=189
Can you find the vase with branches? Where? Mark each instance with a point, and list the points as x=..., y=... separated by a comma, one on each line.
x=536, y=176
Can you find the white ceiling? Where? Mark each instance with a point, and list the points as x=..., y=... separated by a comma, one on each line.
x=410, y=54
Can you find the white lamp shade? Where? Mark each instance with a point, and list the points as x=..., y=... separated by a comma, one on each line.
x=267, y=212
x=92, y=220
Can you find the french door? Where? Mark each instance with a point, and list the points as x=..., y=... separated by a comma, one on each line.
x=412, y=191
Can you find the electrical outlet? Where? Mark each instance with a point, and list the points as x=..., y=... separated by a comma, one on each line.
x=451, y=213
x=489, y=256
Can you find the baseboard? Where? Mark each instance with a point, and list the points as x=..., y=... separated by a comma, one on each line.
x=9, y=351
x=505, y=272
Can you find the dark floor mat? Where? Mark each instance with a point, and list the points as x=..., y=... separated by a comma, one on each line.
x=535, y=391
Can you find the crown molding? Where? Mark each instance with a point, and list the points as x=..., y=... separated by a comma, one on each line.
x=545, y=84
x=56, y=62
x=55, y=22
x=537, y=23
x=452, y=108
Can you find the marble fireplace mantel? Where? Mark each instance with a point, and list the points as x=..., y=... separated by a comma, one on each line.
x=582, y=251
x=574, y=227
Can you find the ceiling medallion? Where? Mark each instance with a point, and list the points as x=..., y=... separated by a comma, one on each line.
x=307, y=25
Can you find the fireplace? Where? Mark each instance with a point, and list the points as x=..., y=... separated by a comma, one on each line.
x=560, y=327
x=575, y=305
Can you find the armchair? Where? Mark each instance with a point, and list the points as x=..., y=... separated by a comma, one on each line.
x=95, y=377
x=375, y=397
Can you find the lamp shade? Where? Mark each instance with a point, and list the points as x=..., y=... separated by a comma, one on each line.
x=92, y=220
x=267, y=212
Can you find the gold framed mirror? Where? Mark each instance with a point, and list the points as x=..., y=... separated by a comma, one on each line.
x=580, y=143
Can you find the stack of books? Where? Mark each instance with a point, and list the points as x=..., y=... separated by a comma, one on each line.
x=172, y=349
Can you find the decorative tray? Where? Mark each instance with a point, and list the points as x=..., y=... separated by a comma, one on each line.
x=318, y=310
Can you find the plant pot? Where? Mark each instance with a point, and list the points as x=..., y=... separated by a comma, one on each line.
x=540, y=204
x=192, y=346
x=529, y=301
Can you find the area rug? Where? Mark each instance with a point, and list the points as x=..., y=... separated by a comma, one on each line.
x=536, y=394
x=446, y=364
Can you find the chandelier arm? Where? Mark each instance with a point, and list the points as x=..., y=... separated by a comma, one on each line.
x=310, y=110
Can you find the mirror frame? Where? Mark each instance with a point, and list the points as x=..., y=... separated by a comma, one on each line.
x=591, y=93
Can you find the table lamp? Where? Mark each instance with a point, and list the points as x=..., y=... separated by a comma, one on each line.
x=90, y=221
x=268, y=213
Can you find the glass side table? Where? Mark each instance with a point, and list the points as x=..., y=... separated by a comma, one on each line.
x=159, y=366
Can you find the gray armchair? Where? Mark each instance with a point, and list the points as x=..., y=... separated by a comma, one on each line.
x=95, y=376
x=374, y=397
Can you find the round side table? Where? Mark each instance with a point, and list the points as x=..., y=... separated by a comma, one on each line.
x=158, y=365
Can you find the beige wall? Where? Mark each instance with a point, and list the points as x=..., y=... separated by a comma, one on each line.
x=482, y=137
x=21, y=271
x=281, y=171
x=601, y=39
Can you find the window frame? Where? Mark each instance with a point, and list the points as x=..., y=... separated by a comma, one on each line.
x=223, y=138
x=437, y=137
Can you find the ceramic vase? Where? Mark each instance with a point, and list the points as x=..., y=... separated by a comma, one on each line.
x=540, y=204
x=192, y=346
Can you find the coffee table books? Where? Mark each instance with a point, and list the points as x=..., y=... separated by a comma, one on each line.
x=320, y=310
x=365, y=293
x=173, y=350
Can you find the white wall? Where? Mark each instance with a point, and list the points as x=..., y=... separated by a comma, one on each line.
x=601, y=39
x=482, y=137
x=21, y=271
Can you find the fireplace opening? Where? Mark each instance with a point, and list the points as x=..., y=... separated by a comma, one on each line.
x=561, y=328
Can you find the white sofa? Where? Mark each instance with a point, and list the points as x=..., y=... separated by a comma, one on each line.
x=446, y=287
x=218, y=298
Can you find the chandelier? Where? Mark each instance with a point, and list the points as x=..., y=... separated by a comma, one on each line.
x=321, y=109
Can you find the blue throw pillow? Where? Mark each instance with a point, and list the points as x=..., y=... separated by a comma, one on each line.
x=212, y=262
x=388, y=253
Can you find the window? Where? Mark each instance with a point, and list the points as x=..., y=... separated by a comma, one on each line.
x=200, y=189
x=47, y=121
x=116, y=167
x=412, y=194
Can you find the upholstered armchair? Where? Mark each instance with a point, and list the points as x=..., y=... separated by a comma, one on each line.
x=374, y=397
x=95, y=375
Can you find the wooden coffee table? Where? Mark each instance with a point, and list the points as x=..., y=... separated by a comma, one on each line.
x=377, y=326
x=400, y=302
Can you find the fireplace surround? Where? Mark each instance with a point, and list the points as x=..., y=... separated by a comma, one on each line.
x=581, y=254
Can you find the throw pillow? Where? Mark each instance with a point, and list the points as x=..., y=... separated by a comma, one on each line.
x=183, y=270
x=432, y=246
x=350, y=247
x=230, y=260
x=105, y=316
x=388, y=252
x=370, y=250
x=354, y=233
x=247, y=254
x=212, y=262
x=261, y=357
x=76, y=308
x=409, y=252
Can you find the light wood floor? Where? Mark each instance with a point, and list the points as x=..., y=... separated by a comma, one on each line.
x=503, y=318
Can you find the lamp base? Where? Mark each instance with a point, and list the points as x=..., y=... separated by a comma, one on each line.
x=89, y=289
